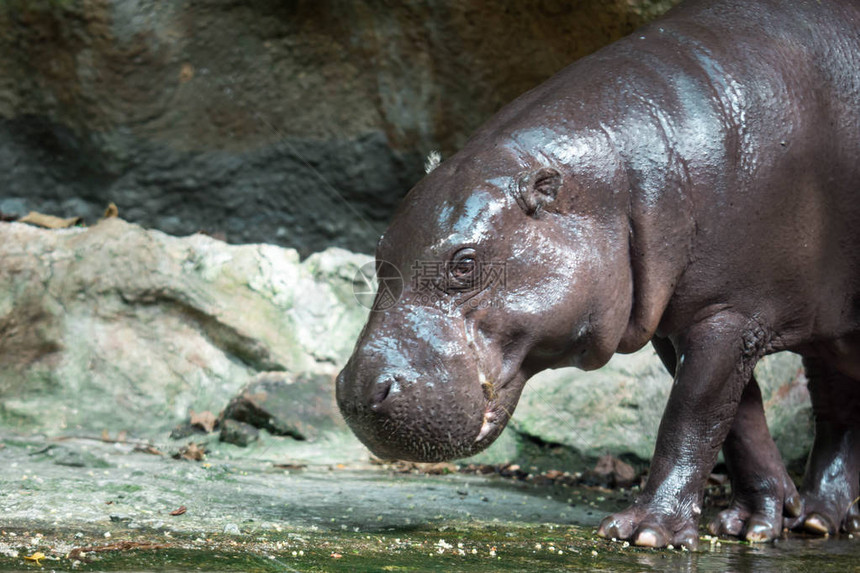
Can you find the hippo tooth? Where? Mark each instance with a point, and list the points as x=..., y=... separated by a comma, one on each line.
x=487, y=426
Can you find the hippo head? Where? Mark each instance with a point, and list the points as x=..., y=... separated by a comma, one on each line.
x=512, y=262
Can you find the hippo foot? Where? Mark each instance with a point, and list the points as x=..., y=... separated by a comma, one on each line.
x=831, y=489
x=758, y=508
x=827, y=515
x=649, y=525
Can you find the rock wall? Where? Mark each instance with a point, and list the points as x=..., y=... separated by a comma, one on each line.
x=114, y=327
x=300, y=123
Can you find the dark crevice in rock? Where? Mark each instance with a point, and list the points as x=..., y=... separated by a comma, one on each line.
x=546, y=453
x=286, y=405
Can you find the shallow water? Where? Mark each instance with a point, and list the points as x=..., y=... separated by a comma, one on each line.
x=244, y=513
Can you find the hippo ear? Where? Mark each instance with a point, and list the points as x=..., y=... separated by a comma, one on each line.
x=537, y=189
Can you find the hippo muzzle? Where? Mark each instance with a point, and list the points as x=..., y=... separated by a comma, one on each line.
x=413, y=387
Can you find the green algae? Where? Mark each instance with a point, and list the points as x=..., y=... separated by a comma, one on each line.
x=452, y=547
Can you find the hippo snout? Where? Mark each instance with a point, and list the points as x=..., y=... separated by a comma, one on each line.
x=413, y=393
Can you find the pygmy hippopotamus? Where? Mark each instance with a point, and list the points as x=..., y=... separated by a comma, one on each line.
x=695, y=185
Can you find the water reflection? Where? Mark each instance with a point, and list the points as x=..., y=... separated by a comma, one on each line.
x=795, y=554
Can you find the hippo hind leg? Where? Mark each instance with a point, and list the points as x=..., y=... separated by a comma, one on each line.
x=763, y=493
x=831, y=484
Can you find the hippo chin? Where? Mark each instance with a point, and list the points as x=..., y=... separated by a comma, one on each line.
x=693, y=185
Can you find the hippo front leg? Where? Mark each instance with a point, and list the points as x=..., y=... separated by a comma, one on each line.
x=717, y=356
x=763, y=493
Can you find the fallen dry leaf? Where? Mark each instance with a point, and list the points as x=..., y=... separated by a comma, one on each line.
x=440, y=468
x=111, y=211
x=186, y=72
x=179, y=511
x=405, y=467
x=616, y=472
x=205, y=420
x=121, y=437
x=152, y=450
x=77, y=553
x=37, y=557
x=49, y=221
x=193, y=452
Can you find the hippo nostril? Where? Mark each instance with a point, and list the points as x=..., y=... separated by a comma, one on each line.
x=381, y=394
x=383, y=389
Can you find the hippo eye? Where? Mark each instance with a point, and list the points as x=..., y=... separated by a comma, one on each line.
x=462, y=268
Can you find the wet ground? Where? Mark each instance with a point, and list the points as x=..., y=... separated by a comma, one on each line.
x=88, y=505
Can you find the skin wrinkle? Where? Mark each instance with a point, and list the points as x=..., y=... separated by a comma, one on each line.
x=637, y=313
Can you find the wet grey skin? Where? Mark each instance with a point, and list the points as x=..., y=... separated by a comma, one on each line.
x=693, y=185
